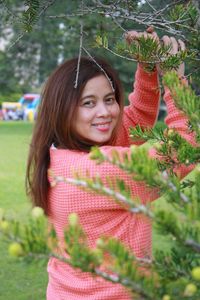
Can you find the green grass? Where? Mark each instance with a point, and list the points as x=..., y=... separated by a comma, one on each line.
x=19, y=280
x=14, y=141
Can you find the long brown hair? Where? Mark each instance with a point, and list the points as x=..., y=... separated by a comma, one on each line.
x=54, y=123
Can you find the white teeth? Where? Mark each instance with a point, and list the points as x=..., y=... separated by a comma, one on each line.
x=102, y=125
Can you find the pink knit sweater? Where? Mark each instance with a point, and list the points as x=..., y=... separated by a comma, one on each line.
x=98, y=214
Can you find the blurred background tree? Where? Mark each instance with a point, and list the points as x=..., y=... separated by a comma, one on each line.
x=38, y=35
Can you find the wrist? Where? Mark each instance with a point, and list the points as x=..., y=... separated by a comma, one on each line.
x=148, y=68
x=145, y=70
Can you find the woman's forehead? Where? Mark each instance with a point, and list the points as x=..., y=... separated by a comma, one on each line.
x=99, y=84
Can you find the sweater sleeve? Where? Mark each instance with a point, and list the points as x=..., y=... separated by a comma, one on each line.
x=177, y=120
x=143, y=105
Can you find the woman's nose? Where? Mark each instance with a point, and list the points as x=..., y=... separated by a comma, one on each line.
x=103, y=110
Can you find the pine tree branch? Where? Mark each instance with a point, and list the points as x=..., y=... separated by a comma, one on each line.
x=20, y=36
x=173, y=188
x=80, y=49
x=145, y=19
x=104, y=72
x=29, y=25
x=96, y=186
x=162, y=180
x=140, y=18
x=127, y=283
x=193, y=244
x=114, y=278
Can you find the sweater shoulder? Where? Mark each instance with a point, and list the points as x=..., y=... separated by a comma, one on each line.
x=66, y=162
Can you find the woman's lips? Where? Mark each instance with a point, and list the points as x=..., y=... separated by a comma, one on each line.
x=105, y=126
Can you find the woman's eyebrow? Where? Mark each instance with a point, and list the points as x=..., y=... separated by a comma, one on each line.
x=93, y=96
x=110, y=94
x=87, y=96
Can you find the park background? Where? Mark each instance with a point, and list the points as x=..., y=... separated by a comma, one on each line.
x=26, y=60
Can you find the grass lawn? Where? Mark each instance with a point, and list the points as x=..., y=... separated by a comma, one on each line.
x=19, y=280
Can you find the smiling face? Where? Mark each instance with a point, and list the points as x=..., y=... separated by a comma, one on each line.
x=98, y=111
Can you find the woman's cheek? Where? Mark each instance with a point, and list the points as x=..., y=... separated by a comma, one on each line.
x=116, y=110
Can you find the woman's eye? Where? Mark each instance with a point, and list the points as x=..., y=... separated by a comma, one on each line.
x=110, y=100
x=89, y=103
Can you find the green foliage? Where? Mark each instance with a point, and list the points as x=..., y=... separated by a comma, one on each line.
x=121, y=193
x=30, y=236
x=147, y=51
x=183, y=14
x=128, y=163
x=30, y=15
x=186, y=100
x=81, y=256
x=166, y=144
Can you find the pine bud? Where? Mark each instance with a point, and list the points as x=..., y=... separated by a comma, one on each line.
x=190, y=290
x=133, y=148
x=196, y=273
x=187, y=162
x=37, y=212
x=100, y=243
x=15, y=249
x=73, y=219
x=166, y=297
x=170, y=142
x=157, y=146
x=95, y=153
x=170, y=132
x=98, y=254
x=99, y=40
x=4, y=226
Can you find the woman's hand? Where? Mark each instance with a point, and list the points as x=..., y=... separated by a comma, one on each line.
x=176, y=46
x=132, y=36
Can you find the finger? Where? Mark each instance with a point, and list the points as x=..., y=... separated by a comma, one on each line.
x=166, y=40
x=144, y=34
x=155, y=36
x=131, y=36
x=169, y=41
x=174, y=44
x=181, y=45
x=131, y=33
x=150, y=29
x=148, y=35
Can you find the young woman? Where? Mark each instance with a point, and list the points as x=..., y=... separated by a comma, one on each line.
x=70, y=121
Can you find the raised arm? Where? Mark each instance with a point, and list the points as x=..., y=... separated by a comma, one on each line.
x=144, y=99
x=175, y=118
